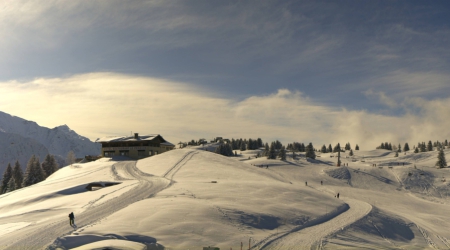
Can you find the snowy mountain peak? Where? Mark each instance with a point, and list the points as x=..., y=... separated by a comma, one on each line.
x=57, y=141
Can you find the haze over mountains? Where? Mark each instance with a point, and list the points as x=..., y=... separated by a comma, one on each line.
x=20, y=138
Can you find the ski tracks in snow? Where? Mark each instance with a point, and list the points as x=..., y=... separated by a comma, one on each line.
x=310, y=236
x=39, y=236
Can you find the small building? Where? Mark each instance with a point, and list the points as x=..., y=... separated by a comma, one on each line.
x=135, y=147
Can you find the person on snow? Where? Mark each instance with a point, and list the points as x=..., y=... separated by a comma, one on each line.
x=71, y=219
x=337, y=195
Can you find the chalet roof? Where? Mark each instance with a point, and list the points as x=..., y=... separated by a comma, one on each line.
x=132, y=138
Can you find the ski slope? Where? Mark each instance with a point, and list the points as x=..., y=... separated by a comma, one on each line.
x=191, y=198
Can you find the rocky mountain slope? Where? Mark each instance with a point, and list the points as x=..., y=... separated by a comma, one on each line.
x=20, y=138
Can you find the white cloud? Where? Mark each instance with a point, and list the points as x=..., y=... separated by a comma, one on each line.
x=100, y=104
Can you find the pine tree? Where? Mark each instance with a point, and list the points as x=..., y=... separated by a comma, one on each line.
x=7, y=174
x=399, y=148
x=356, y=147
x=351, y=153
x=406, y=147
x=416, y=150
x=18, y=175
x=47, y=165
x=243, y=147
x=396, y=153
x=272, y=152
x=310, y=151
x=29, y=178
x=11, y=185
x=70, y=159
x=430, y=146
x=330, y=149
x=324, y=149
x=282, y=154
x=441, y=162
x=40, y=174
x=266, y=150
x=382, y=146
x=446, y=143
x=54, y=164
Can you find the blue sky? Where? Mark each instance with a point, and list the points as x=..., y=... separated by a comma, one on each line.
x=383, y=58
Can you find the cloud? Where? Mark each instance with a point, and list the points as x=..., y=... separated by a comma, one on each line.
x=382, y=98
x=101, y=104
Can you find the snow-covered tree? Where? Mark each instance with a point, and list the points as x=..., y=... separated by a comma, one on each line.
x=18, y=175
x=282, y=153
x=7, y=174
x=272, y=152
x=441, y=162
x=310, y=151
x=70, y=159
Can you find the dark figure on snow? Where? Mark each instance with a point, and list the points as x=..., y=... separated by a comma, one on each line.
x=337, y=195
x=71, y=219
x=321, y=182
x=306, y=183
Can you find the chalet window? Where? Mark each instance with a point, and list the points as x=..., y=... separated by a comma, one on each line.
x=109, y=153
x=141, y=152
x=150, y=152
x=124, y=152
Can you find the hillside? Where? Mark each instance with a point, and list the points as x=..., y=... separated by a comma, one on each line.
x=187, y=199
x=21, y=138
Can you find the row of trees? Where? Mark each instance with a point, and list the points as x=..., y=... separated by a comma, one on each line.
x=421, y=146
x=14, y=178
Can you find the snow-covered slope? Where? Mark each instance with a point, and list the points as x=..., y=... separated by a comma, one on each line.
x=192, y=198
x=29, y=138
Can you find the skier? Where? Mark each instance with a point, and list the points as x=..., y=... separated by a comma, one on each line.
x=71, y=219
x=321, y=182
x=337, y=195
x=306, y=183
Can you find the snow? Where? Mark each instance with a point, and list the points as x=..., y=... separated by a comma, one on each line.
x=19, y=139
x=193, y=198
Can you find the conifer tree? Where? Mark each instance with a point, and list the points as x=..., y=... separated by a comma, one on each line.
x=382, y=146
x=430, y=146
x=406, y=147
x=399, y=148
x=446, y=143
x=11, y=185
x=416, y=150
x=54, y=163
x=272, y=152
x=441, y=162
x=70, y=159
x=324, y=149
x=282, y=153
x=351, y=153
x=18, y=175
x=356, y=147
x=47, y=165
x=396, y=153
x=310, y=151
x=266, y=150
x=243, y=146
x=7, y=174
x=33, y=172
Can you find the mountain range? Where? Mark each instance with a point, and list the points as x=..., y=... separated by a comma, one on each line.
x=20, y=138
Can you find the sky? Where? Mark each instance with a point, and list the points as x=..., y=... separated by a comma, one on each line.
x=363, y=72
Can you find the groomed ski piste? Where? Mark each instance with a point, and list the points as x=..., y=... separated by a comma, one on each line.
x=192, y=198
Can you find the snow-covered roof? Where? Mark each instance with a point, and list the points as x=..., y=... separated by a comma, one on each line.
x=130, y=138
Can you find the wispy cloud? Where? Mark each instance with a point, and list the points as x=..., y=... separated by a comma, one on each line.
x=100, y=104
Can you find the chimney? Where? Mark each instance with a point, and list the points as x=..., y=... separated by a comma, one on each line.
x=136, y=136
